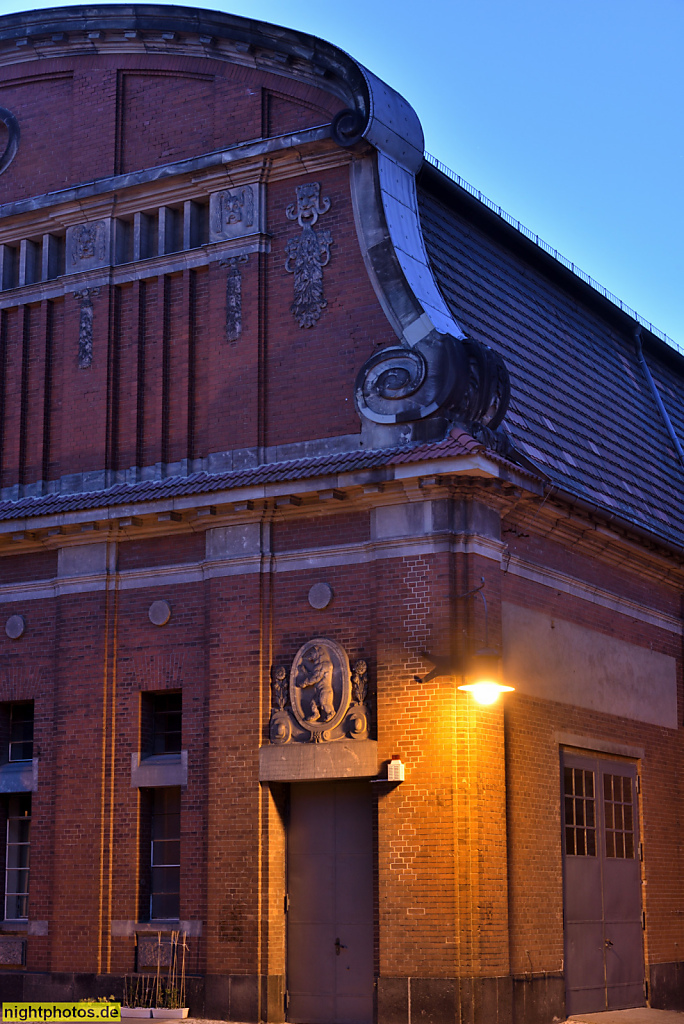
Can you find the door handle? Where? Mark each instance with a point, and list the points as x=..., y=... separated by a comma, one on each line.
x=607, y=943
x=338, y=947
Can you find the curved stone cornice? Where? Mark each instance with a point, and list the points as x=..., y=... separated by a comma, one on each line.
x=383, y=185
x=392, y=240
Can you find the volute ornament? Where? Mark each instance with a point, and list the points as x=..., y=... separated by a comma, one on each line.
x=445, y=380
x=12, y=125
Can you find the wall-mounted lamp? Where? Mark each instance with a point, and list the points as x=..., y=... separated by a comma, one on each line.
x=481, y=671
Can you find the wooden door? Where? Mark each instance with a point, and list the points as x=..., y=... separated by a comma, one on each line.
x=330, y=914
x=604, y=960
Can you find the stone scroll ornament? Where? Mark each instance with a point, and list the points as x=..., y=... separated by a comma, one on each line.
x=322, y=700
x=234, y=295
x=12, y=125
x=308, y=254
x=85, y=326
x=460, y=381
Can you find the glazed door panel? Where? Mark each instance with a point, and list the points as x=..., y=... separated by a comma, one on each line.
x=330, y=916
x=604, y=965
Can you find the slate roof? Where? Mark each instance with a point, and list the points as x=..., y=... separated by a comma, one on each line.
x=582, y=409
x=457, y=443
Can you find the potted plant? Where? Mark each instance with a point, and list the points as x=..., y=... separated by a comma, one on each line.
x=169, y=997
x=138, y=997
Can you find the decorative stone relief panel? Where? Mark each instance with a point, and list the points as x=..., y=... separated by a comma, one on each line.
x=307, y=255
x=323, y=700
x=85, y=326
x=12, y=951
x=87, y=246
x=234, y=212
x=154, y=951
x=234, y=295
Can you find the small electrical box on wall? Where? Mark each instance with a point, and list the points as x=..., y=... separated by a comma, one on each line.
x=395, y=770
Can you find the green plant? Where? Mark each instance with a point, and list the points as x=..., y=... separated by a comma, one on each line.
x=171, y=990
x=139, y=991
x=167, y=993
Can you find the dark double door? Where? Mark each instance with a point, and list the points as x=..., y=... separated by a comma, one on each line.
x=604, y=960
x=330, y=913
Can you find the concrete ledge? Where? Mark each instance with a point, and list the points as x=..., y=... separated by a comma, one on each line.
x=307, y=762
x=159, y=770
x=130, y=928
x=19, y=776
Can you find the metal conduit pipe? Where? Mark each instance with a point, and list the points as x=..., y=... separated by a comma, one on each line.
x=656, y=394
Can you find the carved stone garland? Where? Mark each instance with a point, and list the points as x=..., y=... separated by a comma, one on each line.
x=234, y=295
x=85, y=327
x=308, y=254
x=324, y=701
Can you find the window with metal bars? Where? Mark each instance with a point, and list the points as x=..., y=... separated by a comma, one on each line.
x=165, y=855
x=619, y=813
x=17, y=857
x=580, y=812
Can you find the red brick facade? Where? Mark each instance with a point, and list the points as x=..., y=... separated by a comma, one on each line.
x=167, y=462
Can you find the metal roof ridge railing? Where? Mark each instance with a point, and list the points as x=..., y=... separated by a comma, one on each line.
x=553, y=252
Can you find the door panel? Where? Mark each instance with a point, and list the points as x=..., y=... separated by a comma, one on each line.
x=604, y=966
x=330, y=917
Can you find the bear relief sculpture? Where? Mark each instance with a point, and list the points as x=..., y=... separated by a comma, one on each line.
x=323, y=700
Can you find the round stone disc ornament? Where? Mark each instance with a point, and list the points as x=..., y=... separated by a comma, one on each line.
x=159, y=613
x=320, y=686
x=320, y=595
x=15, y=626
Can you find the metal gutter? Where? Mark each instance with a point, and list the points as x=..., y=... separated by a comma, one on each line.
x=656, y=394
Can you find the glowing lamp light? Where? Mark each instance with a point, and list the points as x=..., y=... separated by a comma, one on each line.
x=486, y=691
x=483, y=675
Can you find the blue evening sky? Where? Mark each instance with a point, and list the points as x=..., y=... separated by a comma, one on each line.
x=567, y=113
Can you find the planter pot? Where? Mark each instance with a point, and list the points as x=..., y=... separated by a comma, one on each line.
x=136, y=1011
x=161, y=1014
